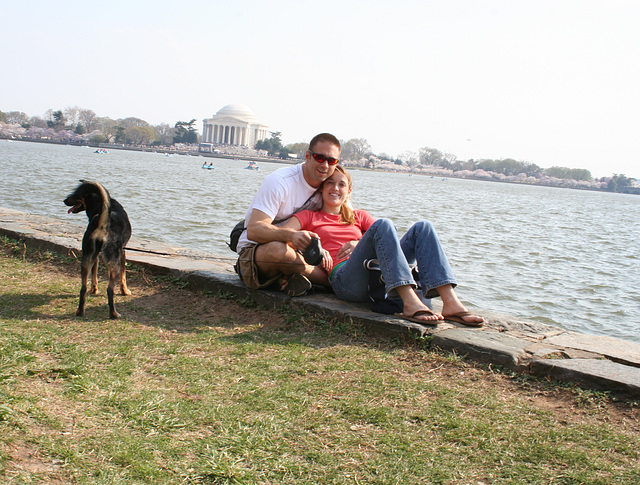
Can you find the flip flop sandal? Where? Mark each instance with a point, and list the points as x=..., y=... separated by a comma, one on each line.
x=412, y=318
x=458, y=318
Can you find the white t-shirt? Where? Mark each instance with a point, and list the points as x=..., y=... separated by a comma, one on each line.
x=281, y=194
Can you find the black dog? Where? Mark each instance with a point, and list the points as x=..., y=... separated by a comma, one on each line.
x=108, y=232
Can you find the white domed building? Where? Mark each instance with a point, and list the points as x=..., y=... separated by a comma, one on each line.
x=235, y=124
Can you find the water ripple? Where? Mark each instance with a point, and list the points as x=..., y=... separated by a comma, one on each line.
x=564, y=257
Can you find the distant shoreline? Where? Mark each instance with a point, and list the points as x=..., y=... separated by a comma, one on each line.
x=163, y=149
x=428, y=172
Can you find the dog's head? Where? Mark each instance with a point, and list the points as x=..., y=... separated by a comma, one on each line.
x=86, y=196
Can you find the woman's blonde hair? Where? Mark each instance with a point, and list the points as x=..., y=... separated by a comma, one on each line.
x=346, y=211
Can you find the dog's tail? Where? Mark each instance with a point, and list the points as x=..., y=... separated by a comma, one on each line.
x=105, y=212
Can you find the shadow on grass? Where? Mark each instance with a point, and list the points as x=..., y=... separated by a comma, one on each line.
x=33, y=306
x=164, y=305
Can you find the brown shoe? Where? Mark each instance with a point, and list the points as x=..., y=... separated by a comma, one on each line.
x=295, y=285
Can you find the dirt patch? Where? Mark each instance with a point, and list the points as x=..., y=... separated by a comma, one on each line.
x=26, y=461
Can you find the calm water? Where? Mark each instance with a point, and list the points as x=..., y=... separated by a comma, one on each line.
x=564, y=257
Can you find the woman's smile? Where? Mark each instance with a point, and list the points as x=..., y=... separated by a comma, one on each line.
x=336, y=190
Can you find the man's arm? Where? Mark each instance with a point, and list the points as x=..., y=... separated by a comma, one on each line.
x=261, y=230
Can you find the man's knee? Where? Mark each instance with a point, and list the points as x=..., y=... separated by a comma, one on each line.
x=278, y=256
x=274, y=252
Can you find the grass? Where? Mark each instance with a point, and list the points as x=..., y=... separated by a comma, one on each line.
x=192, y=388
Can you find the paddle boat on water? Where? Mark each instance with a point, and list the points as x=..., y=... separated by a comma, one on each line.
x=252, y=166
x=102, y=151
x=208, y=166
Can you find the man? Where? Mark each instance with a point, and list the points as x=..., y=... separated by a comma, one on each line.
x=270, y=254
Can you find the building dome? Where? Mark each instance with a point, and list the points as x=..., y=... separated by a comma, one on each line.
x=238, y=111
x=234, y=124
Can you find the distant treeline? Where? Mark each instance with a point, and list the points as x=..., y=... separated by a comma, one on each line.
x=76, y=125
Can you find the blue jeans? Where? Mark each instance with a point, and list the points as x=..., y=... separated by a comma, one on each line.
x=419, y=245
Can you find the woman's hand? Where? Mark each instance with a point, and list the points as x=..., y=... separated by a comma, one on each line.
x=346, y=250
x=327, y=261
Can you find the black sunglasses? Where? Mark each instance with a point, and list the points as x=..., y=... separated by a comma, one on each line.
x=320, y=158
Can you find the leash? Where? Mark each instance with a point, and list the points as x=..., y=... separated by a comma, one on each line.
x=222, y=259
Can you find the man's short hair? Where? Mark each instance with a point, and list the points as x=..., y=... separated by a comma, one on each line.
x=328, y=137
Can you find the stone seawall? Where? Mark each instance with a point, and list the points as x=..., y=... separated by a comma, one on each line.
x=594, y=362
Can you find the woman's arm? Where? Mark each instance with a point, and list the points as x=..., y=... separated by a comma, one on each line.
x=363, y=221
x=298, y=238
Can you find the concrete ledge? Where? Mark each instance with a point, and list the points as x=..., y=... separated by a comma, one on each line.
x=600, y=374
x=484, y=346
x=597, y=362
x=627, y=353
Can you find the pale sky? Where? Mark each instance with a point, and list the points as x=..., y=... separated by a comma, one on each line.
x=553, y=82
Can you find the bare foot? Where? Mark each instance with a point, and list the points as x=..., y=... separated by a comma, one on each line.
x=453, y=309
x=465, y=317
x=421, y=314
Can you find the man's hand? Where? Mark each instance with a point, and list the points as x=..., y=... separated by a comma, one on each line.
x=301, y=239
x=346, y=250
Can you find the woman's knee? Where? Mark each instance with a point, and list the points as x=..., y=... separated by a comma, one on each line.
x=384, y=225
x=424, y=225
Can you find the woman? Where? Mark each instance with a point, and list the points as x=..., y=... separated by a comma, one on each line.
x=337, y=223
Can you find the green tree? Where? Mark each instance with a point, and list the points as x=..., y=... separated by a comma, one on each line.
x=99, y=138
x=185, y=132
x=509, y=166
x=298, y=148
x=3, y=117
x=57, y=120
x=107, y=127
x=120, y=135
x=139, y=135
x=568, y=173
x=273, y=145
x=619, y=183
